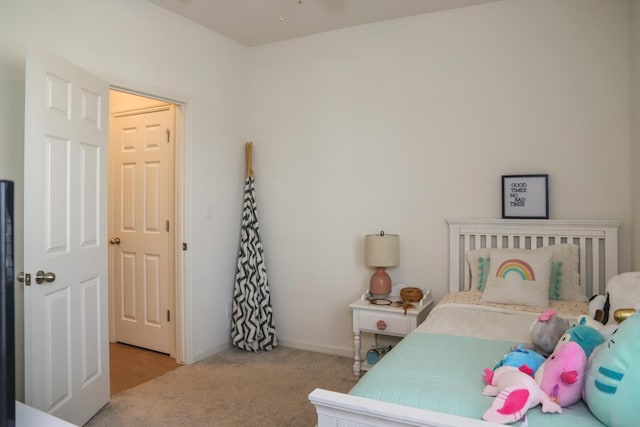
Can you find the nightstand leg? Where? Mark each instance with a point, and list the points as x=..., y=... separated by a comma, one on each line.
x=356, y=357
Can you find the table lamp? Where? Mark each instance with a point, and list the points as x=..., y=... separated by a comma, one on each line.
x=381, y=251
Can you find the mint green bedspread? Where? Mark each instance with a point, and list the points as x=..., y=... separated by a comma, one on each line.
x=443, y=373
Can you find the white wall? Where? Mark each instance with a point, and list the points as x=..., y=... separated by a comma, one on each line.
x=401, y=124
x=635, y=131
x=137, y=45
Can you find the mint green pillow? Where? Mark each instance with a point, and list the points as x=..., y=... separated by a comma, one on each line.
x=555, y=279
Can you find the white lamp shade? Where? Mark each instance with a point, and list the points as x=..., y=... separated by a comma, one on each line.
x=382, y=250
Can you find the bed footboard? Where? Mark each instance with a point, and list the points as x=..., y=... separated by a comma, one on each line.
x=339, y=409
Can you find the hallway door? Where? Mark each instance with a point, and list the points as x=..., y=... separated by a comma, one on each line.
x=141, y=161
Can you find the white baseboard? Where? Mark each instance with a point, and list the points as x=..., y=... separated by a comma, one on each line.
x=318, y=348
x=326, y=349
x=210, y=352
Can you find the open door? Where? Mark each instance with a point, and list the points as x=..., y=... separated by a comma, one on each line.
x=65, y=232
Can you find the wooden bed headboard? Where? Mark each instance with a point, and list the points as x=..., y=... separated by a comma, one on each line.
x=597, y=239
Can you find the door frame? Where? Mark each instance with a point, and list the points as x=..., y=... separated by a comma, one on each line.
x=182, y=327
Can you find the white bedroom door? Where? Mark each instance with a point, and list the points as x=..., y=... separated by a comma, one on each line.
x=65, y=239
x=142, y=226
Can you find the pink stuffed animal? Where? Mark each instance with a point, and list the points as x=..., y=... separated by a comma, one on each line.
x=515, y=393
x=562, y=375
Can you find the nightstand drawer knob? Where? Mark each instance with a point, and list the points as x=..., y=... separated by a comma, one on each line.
x=381, y=325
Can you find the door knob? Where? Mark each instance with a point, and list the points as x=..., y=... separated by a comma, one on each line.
x=115, y=241
x=24, y=278
x=42, y=277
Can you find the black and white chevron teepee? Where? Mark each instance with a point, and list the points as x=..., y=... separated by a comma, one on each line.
x=252, y=325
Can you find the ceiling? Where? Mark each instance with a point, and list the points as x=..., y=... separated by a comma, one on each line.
x=256, y=22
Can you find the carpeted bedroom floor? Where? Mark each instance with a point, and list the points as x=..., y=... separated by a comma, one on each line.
x=232, y=388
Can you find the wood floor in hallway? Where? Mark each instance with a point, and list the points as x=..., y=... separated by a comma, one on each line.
x=131, y=366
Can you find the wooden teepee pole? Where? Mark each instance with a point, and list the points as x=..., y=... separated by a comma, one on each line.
x=249, y=155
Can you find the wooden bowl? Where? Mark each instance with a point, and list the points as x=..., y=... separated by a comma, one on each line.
x=411, y=294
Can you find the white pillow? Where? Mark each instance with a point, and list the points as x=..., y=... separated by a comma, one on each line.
x=567, y=254
x=518, y=277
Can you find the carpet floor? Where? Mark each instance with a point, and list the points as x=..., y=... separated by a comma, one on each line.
x=232, y=388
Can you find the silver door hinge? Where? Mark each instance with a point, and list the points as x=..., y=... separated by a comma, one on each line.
x=168, y=135
x=168, y=315
x=167, y=226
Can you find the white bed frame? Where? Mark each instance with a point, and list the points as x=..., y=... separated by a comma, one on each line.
x=598, y=242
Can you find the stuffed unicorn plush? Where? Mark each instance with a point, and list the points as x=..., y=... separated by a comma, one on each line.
x=515, y=392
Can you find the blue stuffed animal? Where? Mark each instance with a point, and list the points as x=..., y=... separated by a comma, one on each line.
x=521, y=356
x=613, y=376
x=585, y=336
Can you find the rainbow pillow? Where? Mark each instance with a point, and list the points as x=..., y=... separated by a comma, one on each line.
x=518, y=277
x=564, y=283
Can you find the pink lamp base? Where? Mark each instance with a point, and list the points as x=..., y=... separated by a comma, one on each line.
x=380, y=284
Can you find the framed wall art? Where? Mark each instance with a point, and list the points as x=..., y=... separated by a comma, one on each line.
x=525, y=196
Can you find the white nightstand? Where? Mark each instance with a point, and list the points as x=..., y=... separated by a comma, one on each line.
x=385, y=320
